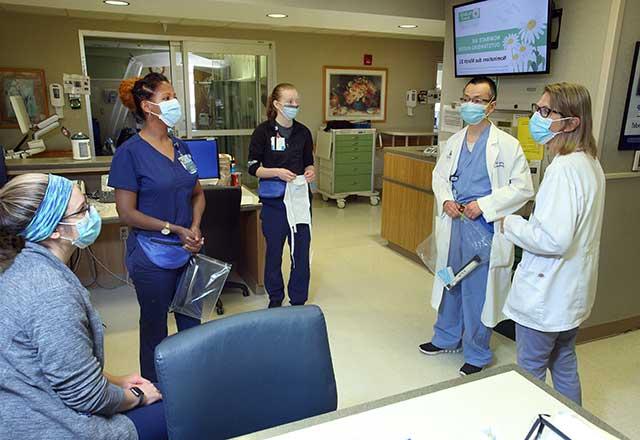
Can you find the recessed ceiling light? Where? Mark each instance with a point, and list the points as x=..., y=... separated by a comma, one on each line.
x=408, y=26
x=277, y=15
x=116, y=2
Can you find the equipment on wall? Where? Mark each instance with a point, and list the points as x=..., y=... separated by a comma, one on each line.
x=56, y=97
x=411, y=101
x=36, y=145
x=76, y=86
x=81, y=146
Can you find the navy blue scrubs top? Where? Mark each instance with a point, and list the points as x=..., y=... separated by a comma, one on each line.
x=164, y=188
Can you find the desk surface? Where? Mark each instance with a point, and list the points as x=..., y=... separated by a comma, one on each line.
x=408, y=133
x=58, y=165
x=412, y=152
x=504, y=399
x=109, y=214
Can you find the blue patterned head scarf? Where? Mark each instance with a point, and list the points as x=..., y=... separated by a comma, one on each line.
x=51, y=209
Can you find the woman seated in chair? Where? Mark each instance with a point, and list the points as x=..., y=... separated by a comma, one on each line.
x=52, y=383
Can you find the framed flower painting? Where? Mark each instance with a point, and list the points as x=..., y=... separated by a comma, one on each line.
x=355, y=94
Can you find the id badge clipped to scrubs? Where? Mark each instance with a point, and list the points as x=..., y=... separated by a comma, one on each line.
x=278, y=143
x=187, y=163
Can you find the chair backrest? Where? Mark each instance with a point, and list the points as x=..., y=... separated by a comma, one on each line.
x=246, y=373
x=3, y=170
x=221, y=223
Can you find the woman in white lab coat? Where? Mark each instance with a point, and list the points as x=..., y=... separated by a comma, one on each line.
x=555, y=284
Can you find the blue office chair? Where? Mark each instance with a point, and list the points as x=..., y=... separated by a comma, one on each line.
x=246, y=373
x=221, y=229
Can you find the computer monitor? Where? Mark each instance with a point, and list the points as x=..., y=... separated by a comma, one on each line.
x=21, y=113
x=204, y=153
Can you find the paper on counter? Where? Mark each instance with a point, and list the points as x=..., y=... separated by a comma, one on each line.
x=451, y=119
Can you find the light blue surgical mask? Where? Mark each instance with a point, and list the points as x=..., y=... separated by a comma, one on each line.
x=170, y=112
x=290, y=112
x=472, y=113
x=88, y=229
x=540, y=128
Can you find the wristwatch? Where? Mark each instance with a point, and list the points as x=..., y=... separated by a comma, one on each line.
x=167, y=229
x=139, y=394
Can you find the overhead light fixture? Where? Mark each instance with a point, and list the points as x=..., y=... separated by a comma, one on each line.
x=116, y=2
x=277, y=15
x=408, y=26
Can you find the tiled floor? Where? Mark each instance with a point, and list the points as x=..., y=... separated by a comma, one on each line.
x=376, y=305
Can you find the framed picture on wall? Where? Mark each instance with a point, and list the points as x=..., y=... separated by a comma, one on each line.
x=30, y=85
x=355, y=94
x=630, y=131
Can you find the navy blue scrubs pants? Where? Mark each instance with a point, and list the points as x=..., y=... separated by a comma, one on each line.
x=275, y=228
x=150, y=421
x=155, y=288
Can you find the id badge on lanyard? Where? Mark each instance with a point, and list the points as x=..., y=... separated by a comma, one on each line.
x=278, y=143
x=187, y=163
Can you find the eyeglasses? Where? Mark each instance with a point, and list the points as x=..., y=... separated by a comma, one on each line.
x=84, y=208
x=466, y=99
x=544, y=110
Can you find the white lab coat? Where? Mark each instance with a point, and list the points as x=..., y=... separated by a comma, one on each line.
x=511, y=187
x=555, y=284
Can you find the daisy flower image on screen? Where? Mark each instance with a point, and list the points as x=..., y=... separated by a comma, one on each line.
x=532, y=30
x=510, y=42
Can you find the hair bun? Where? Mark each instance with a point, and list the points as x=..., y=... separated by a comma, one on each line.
x=126, y=93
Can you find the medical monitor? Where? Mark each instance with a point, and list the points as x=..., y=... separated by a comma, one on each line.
x=204, y=153
x=502, y=37
x=21, y=113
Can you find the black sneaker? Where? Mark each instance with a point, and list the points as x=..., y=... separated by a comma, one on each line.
x=431, y=350
x=468, y=369
x=274, y=303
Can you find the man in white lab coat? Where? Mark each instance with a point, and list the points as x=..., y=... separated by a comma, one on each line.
x=483, y=175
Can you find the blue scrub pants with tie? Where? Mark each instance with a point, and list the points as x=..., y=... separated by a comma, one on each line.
x=555, y=351
x=275, y=228
x=155, y=288
x=459, y=321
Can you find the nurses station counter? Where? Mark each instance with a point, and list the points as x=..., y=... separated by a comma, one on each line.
x=407, y=198
x=499, y=403
x=110, y=247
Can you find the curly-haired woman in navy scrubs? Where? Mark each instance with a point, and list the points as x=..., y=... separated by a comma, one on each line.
x=158, y=195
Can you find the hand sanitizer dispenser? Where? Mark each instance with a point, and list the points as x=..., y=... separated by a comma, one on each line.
x=411, y=101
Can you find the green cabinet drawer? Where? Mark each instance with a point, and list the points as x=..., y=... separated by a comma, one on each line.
x=343, y=184
x=354, y=140
x=354, y=149
x=349, y=157
x=348, y=169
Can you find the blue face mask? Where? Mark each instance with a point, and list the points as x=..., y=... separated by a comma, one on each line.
x=540, y=128
x=88, y=229
x=290, y=112
x=472, y=113
x=170, y=112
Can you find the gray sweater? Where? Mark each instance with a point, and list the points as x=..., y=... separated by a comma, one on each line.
x=52, y=355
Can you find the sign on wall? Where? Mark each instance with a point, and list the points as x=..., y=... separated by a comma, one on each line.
x=630, y=133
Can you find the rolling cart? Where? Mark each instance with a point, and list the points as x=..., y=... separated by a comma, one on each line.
x=345, y=165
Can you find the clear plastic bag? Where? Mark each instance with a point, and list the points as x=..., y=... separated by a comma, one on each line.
x=479, y=236
x=428, y=253
x=200, y=286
